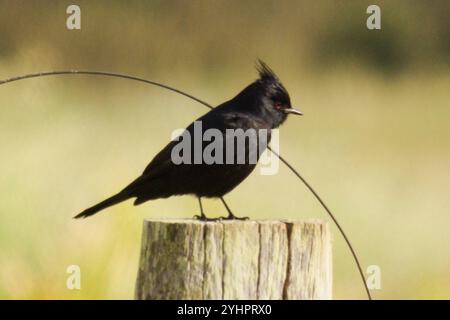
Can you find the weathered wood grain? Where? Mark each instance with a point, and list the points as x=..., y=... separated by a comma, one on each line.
x=189, y=259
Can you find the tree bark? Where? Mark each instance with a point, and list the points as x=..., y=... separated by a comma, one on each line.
x=190, y=259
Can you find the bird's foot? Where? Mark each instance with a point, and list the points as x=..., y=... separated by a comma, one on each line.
x=233, y=217
x=202, y=217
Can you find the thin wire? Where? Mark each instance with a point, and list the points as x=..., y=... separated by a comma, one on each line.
x=124, y=76
x=104, y=73
x=316, y=195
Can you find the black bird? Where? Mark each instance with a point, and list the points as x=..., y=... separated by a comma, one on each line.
x=264, y=104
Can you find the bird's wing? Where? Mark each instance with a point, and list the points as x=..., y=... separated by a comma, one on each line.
x=217, y=119
x=161, y=162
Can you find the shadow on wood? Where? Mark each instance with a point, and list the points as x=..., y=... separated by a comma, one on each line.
x=189, y=259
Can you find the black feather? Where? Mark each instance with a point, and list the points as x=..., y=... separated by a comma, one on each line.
x=266, y=74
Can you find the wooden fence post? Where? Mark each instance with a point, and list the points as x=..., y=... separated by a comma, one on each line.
x=189, y=259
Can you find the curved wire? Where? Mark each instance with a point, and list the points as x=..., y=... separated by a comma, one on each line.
x=103, y=73
x=290, y=167
x=316, y=195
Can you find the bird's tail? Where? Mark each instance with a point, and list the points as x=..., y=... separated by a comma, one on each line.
x=121, y=196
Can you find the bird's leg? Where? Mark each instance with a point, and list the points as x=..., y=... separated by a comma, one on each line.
x=202, y=215
x=231, y=216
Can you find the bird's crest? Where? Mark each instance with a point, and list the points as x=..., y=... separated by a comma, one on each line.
x=270, y=82
x=265, y=73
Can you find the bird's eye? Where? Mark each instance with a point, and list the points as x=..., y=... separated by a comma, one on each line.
x=278, y=105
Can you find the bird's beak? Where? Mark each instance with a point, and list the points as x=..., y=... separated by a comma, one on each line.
x=293, y=111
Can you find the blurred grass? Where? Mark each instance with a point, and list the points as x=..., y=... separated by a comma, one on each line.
x=374, y=139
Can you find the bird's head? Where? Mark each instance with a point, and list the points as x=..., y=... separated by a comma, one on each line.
x=274, y=98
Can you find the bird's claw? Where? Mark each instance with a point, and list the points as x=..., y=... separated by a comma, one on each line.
x=233, y=217
x=202, y=217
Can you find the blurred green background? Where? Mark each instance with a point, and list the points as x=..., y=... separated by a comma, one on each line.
x=374, y=140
